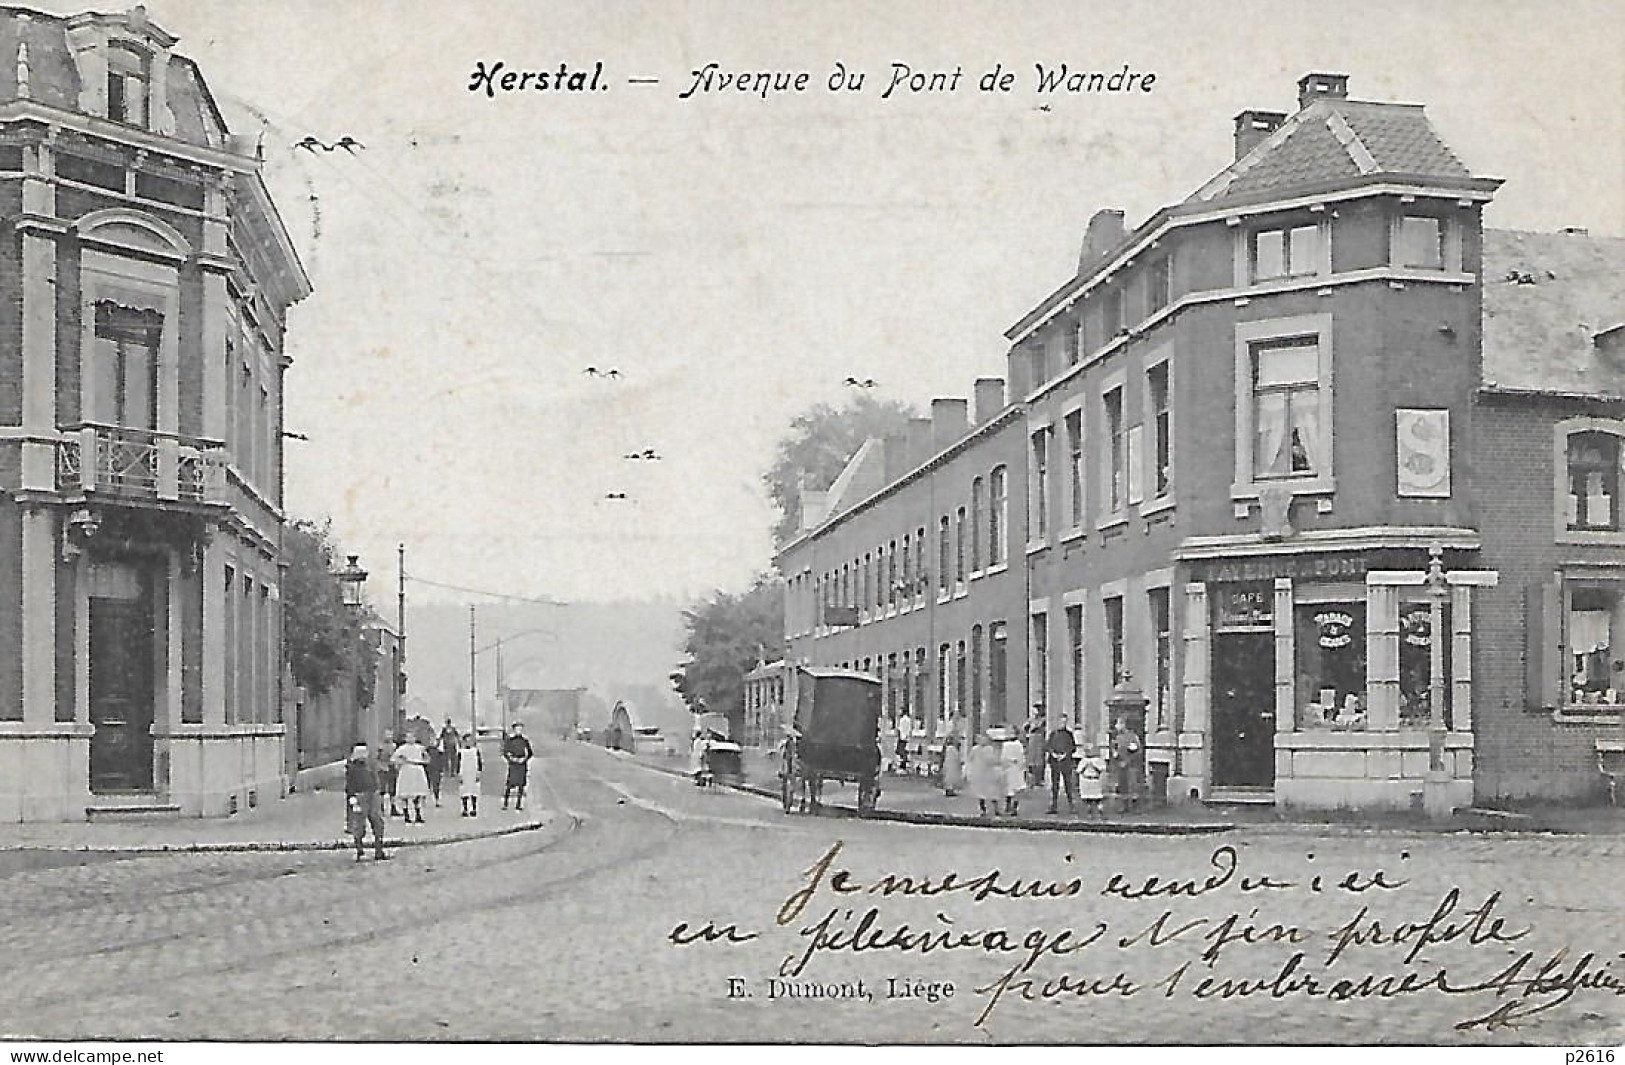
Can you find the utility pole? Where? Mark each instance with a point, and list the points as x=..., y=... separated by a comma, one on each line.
x=502, y=692
x=473, y=717
x=400, y=637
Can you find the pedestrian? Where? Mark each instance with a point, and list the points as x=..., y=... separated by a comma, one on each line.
x=1092, y=783
x=1013, y=756
x=451, y=747
x=905, y=736
x=953, y=759
x=888, y=746
x=435, y=767
x=411, y=777
x=517, y=752
x=1128, y=762
x=986, y=775
x=1061, y=749
x=387, y=771
x=1033, y=739
x=364, y=806
x=469, y=766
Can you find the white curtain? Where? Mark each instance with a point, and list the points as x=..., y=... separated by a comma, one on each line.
x=1588, y=631
x=1271, y=435
x=1306, y=425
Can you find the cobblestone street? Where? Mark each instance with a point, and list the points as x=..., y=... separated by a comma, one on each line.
x=564, y=934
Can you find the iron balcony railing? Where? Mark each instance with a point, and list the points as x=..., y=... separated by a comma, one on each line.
x=142, y=463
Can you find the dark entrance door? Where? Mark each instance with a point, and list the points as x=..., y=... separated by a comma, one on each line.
x=1243, y=724
x=121, y=690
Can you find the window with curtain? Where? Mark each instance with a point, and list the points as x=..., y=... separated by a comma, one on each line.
x=1594, y=646
x=126, y=366
x=1156, y=380
x=1593, y=480
x=1286, y=408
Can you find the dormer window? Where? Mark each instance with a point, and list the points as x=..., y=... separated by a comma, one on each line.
x=127, y=85
x=1593, y=480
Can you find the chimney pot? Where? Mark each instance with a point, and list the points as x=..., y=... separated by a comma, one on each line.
x=1253, y=126
x=1312, y=87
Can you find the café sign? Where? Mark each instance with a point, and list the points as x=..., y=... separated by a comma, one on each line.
x=1270, y=567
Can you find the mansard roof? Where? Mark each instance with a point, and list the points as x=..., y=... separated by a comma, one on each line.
x=1547, y=299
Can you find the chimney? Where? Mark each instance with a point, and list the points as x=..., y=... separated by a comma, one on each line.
x=894, y=453
x=1105, y=232
x=1253, y=126
x=919, y=441
x=1312, y=87
x=1018, y=372
x=950, y=420
x=989, y=395
x=814, y=504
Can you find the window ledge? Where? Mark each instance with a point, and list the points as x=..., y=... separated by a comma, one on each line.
x=1112, y=521
x=1300, y=486
x=1587, y=715
x=992, y=570
x=1157, y=506
x=1034, y=546
x=975, y=574
x=1077, y=532
x=1607, y=537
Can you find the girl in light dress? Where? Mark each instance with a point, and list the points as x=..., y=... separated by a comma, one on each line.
x=469, y=767
x=411, y=762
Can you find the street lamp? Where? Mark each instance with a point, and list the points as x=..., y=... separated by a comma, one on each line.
x=352, y=578
x=1436, y=788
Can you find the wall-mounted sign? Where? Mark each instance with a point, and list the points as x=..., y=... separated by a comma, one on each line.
x=1244, y=607
x=1416, y=626
x=1336, y=628
x=1297, y=566
x=1422, y=452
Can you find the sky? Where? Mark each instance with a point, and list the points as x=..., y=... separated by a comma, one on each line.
x=736, y=258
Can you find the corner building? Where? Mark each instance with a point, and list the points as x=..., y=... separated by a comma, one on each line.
x=1233, y=444
x=145, y=279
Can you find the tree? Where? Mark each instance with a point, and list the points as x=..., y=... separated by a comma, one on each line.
x=727, y=635
x=322, y=637
x=819, y=444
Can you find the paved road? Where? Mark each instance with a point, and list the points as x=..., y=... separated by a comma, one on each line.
x=565, y=934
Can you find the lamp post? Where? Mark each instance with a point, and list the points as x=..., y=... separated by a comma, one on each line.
x=1436, y=799
x=352, y=582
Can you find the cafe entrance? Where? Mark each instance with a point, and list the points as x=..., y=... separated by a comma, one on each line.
x=1242, y=728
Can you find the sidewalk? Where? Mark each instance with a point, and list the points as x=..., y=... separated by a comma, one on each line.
x=917, y=800
x=304, y=821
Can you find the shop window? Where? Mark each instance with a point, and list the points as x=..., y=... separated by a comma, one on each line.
x=998, y=538
x=1286, y=252
x=1286, y=409
x=1329, y=639
x=1419, y=241
x=1416, y=664
x=125, y=367
x=1593, y=480
x=1114, y=637
x=1074, y=467
x=1162, y=635
x=1594, y=646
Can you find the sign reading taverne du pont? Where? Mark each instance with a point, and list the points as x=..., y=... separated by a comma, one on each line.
x=1329, y=567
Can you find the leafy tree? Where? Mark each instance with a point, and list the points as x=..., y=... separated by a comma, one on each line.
x=820, y=442
x=322, y=637
x=727, y=634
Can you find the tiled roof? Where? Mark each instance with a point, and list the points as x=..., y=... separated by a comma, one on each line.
x=1546, y=297
x=1333, y=140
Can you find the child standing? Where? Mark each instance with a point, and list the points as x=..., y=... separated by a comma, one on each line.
x=469, y=765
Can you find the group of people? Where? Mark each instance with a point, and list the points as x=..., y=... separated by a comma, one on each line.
x=414, y=771
x=1004, y=762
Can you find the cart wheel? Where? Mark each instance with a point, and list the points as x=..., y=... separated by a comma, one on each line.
x=866, y=797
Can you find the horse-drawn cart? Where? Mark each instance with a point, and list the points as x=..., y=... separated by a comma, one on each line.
x=834, y=736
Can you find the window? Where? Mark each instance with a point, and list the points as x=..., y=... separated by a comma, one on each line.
x=977, y=489
x=922, y=677
x=1158, y=285
x=1593, y=480
x=1330, y=644
x=1074, y=343
x=1038, y=361
x=959, y=547
x=1162, y=469
x=1419, y=241
x=893, y=688
x=1286, y=408
x=126, y=86
x=1293, y=252
x=998, y=671
x=891, y=574
x=1162, y=637
x=1593, y=645
x=1114, y=637
x=1111, y=313
x=1074, y=658
x=998, y=531
x=905, y=695
x=1134, y=459
x=865, y=599
x=945, y=555
x=960, y=668
x=1038, y=677
x=919, y=565
x=944, y=695
x=1116, y=450
x=228, y=627
x=905, y=580
x=1038, y=488
x=1416, y=663
x=126, y=366
x=976, y=679
x=1074, y=468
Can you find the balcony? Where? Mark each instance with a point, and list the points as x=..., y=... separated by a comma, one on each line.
x=121, y=462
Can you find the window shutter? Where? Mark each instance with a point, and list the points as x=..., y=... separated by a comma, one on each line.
x=1543, y=629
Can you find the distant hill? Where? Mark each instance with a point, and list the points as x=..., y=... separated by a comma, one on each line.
x=616, y=651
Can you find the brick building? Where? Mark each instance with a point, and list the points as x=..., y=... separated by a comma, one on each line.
x=144, y=281
x=1231, y=445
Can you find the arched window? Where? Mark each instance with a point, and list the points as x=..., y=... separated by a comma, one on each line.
x=1593, y=475
x=998, y=523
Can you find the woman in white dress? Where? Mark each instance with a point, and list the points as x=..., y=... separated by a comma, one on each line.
x=986, y=774
x=411, y=760
x=1013, y=756
x=469, y=766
